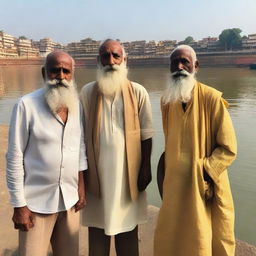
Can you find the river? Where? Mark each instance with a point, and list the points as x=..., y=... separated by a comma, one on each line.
x=239, y=89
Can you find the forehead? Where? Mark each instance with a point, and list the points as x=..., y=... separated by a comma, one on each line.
x=181, y=54
x=111, y=46
x=60, y=60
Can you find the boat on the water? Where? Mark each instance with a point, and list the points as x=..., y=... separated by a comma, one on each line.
x=253, y=66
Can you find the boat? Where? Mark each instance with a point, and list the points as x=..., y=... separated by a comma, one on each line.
x=253, y=66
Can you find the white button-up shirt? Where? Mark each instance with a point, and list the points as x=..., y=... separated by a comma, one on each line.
x=44, y=156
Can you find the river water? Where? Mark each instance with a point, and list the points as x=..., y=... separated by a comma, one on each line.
x=239, y=88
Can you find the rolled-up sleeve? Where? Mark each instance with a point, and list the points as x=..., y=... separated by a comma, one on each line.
x=18, y=138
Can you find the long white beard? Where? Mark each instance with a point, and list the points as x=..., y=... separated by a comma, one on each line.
x=111, y=78
x=61, y=93
x=180, y=88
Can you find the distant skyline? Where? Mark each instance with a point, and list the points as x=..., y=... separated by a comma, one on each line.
x=69, y=21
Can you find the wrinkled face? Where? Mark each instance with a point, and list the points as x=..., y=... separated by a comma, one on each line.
x=182, y=60
x=59, y=67
x=111, y=53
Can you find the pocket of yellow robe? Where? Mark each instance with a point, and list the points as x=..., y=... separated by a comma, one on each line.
x=208, y=191
x=206, y=188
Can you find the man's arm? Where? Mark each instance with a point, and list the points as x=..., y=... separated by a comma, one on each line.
x=147, y=132
x=18, y=139
x=81, y=192
x=145, y=175
x=225, y=151
x=82, y=165
x=161, y=174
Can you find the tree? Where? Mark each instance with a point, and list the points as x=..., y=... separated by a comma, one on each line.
x=22, y=37
x=188, y=40
x=230, y=38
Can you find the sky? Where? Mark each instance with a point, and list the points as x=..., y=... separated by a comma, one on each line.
x=73, y=20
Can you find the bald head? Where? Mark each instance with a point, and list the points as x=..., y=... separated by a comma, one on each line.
x=187, y=48
x=58, y=65
x=111, y=52
x=183, y=57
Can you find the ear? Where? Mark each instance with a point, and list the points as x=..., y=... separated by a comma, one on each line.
x=196, y=65
x=125, y=59
x=43, y=73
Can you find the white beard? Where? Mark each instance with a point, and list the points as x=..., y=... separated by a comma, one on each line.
x=61, y=93
x=111, y=78
x=180, y=88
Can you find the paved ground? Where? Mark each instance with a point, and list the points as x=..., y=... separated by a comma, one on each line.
x=8, y=241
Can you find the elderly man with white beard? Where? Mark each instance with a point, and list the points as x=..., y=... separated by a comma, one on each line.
x=119, y=131
x=45, y=162
x=197, y=215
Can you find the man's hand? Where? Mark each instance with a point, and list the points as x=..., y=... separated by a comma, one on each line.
x=81, y=193
x=161, y=174
x=209, y=186
x=23, y=218
x=145, y=176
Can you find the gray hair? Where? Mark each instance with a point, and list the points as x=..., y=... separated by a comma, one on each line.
x=188, y=48
x=109, y=39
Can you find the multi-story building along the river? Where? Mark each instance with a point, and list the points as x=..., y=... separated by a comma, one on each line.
x=83, y=49
x=165, y=47
x=207, y=44
x=8, y=48
x=46, y=45
x=25, y=48
x=250, y=42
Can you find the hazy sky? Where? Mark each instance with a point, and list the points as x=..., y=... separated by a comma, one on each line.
x=72, y=20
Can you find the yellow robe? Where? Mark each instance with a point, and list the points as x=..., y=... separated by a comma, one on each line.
x=201, y=138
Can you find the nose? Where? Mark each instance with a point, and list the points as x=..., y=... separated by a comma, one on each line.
x=111, y=60
x=61, y=74
x=180, y=66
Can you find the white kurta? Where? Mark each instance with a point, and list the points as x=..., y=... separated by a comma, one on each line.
x=115, y=212
x=44, y=156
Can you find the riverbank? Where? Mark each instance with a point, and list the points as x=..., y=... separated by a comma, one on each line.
x=9, y=239
x=206, y=59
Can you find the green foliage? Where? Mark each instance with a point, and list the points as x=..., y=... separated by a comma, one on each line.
x=188, y=40
x=230, y=38
x=22, y=37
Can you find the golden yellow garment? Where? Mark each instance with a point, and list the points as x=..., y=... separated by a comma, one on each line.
x=200, y=138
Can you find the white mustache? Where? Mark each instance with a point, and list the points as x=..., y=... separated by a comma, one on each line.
x=108, y=68
x=181, y=73
x=58, y=83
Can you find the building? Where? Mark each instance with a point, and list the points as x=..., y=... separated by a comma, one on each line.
x=164, y=48
x=85, y=48
x=208, y=44
x=25, y=48
x=150, y=48
x=47, y=45
x=8, y=48
x=249, y=43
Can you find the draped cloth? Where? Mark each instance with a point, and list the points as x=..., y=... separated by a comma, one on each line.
x=132, y=139
x=113, y=203
x=200, y=139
